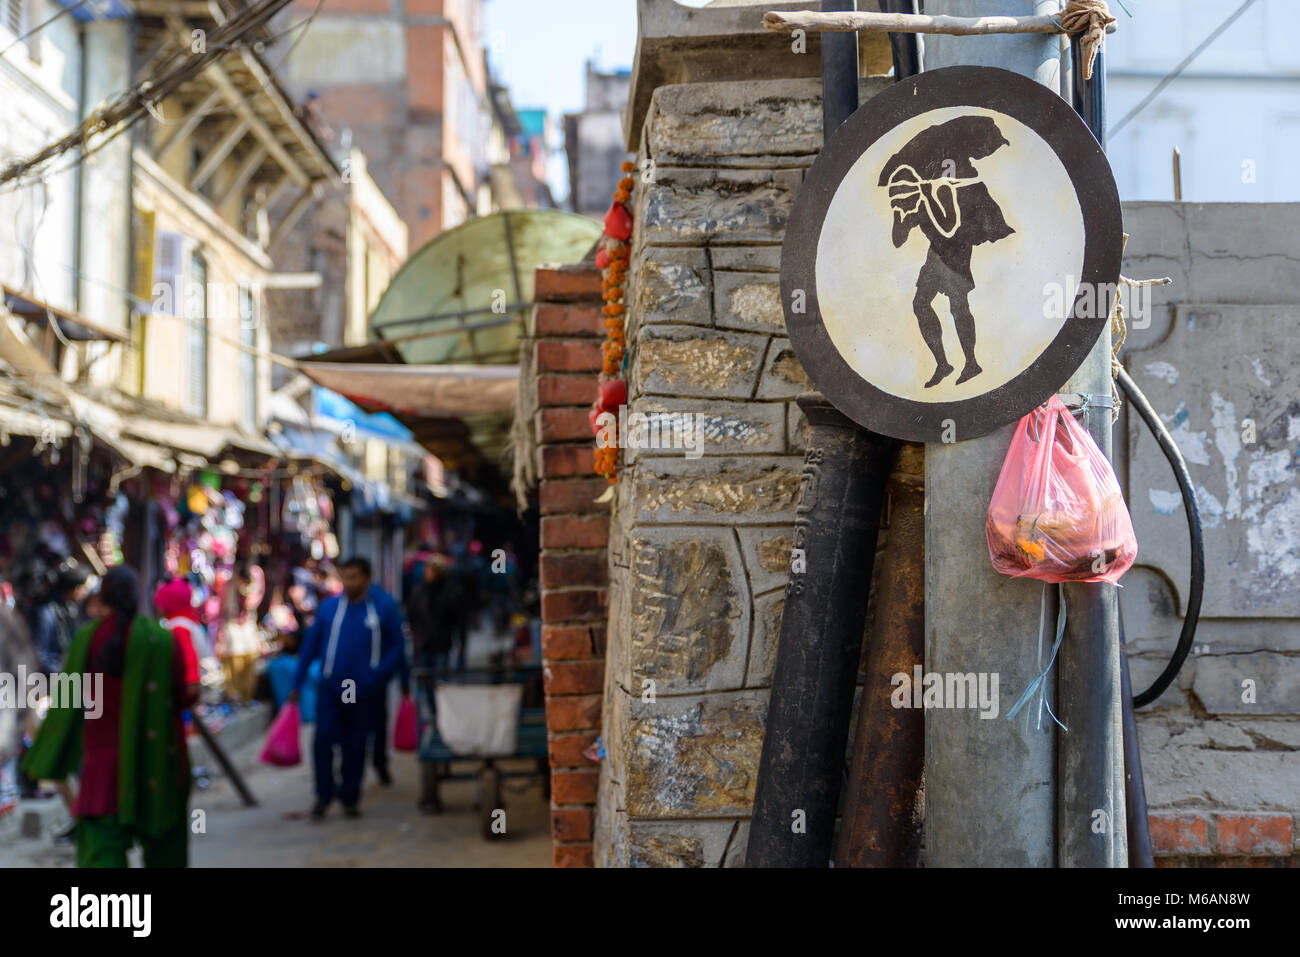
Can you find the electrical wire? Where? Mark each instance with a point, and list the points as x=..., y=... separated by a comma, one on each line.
x=1197, y=587
x=110, y=121
x=1174, y=73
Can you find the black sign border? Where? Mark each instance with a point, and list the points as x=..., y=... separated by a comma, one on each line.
x=1043, y=111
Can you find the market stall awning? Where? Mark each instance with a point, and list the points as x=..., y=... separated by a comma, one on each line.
x=432, y=391
x=74, y=326
x=464, y=297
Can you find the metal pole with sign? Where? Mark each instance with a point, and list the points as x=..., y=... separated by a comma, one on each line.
x=949, y=264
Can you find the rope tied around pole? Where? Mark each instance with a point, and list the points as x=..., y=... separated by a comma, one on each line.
x=1089, y=18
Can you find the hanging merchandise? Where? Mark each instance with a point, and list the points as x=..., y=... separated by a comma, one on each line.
x=196, y=500
x=1057, y=512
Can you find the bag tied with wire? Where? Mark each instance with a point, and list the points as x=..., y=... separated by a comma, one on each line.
x=1057, y=513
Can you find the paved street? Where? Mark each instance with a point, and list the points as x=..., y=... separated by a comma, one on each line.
x=391, y=833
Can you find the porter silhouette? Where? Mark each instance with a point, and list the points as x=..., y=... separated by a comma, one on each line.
x=933, y=184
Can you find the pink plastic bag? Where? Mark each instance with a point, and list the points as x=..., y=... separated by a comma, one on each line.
x=405, y=734
x=1057, y=513
x=282, y=741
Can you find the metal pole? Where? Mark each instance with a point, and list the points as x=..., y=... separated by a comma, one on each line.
x=883, y=803
x=1090, y=787
x=801, y=768
x=223, y=759
x=1135, y=793
x=989, y=783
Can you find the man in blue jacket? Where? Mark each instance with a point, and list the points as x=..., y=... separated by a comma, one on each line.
x=358, y=636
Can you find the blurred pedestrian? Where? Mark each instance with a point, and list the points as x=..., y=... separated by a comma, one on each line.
x=434, y=616
x=135, y=776
x=359, y=635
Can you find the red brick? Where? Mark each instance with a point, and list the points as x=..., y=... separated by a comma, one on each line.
x=1257, y=835
x=553, y=319
x=574, y=712
x=574, y=568
x=567, y=355
x=572, y=495
x=566, y=390
x=570, y=824
x=573, y=641
x=563, y=531
x=574, y=787
x=567, y=284
x=578, y=604
x=572, y=855
x=563, y=461
x=566, y=750
x=574, y=677
x=564, y=424
x=1186, y=833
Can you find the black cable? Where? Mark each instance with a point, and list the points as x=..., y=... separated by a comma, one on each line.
x=1179, y=465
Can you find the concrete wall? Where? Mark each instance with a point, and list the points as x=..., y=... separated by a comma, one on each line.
x=36, y=245
x=1216, y=354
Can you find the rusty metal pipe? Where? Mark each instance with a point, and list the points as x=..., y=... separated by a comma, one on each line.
x=883, y=807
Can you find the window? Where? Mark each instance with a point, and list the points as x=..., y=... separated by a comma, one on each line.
x=196, y=337
x=18, y=17
x=247, y=358
x=15, y=16
x=167, y=294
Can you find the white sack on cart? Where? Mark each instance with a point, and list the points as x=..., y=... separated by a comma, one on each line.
x=479, y=721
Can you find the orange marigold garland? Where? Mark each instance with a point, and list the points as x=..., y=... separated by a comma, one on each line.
x=612, y=258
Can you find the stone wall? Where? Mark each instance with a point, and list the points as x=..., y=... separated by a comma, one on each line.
x=567, y=326
x=699, y=546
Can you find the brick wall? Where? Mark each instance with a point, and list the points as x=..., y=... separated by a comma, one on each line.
x=567, y=329
x=1223, y=839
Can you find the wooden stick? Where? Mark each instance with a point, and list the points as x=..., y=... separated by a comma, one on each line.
x=816, y=22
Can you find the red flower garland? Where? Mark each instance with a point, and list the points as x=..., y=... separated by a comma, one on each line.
x=612, y=260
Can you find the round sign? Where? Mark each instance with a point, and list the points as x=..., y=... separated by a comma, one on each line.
x=952, y=255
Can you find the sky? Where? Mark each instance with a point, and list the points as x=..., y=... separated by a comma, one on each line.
x=539, y=49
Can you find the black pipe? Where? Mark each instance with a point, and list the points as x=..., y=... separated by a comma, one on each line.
x=839, y=72
x=906, y=47
x=837, y=523
x=1089, y=96
x=1192, y=614
x=1135, y=791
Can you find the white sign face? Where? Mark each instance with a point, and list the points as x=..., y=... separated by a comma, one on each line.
x=952, y=256
x=987, y=267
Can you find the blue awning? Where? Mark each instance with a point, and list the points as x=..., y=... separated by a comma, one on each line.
x=97, y=10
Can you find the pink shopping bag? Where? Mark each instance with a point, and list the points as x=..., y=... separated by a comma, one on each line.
x=1057, y=512
x=282, y=747
x=405, y=735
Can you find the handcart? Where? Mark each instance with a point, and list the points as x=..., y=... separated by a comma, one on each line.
x=439, y=761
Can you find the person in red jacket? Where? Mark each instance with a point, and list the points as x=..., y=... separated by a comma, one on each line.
x=174, y=602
